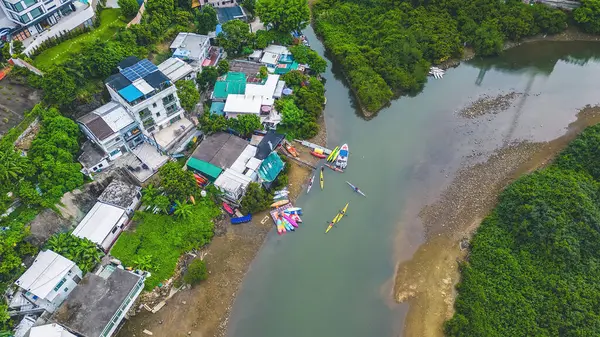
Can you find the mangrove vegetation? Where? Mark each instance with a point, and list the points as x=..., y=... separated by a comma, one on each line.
x=533, y=265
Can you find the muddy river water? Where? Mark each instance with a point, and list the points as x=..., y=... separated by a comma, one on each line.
x=309, y=283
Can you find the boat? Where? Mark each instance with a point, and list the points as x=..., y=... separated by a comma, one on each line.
x=337, y=218
x=342, y=158
x=296, y=218
x=291, y=149
x=310, y=183
x=292, y=209
x=293, y=212
x=288, y=226
x=243, y=219
x=318, y=155
x=280, y=203
x=336, y=169
x=321, y=178
x=356, y=189
x=283, y=190
x=280, y=227
x=330, y=158
x=227, y=208
x=290, y=220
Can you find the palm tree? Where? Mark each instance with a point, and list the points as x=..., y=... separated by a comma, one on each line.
x=11, y=165
x=183, y=210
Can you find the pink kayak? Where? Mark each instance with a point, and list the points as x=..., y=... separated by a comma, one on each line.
x=290, y=220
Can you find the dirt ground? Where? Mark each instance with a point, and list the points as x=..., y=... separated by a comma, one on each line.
x=15, y=100
x=203, y=311
x=427, y=281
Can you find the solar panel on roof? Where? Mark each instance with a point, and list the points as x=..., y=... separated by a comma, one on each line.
x=139, y=70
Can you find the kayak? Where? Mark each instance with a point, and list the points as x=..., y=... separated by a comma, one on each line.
x=342, y=158
x=291, y=150
x=280, y=203
x=356, y=189
x=321, y=178
x=291, y=210
x=318, y=155
x=242, y=219
x=296, y=218
x=290, y=220
x=280, y=227
x=335, y=155
x=336, y=169
x=330, y=157
x=337, y=218
x=310, y=183
x=227, y=208
x=288, y=225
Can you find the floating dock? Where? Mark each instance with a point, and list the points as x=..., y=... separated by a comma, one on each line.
x=313, y=146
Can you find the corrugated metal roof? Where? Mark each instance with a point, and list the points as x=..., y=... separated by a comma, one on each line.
x=45, y=273
x=97, y=224
x=240, y=163
x=143, y=86
x=206, y=169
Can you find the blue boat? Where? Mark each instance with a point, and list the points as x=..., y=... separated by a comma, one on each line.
x=241, y=219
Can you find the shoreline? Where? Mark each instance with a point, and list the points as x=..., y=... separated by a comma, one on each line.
x=570, y=34
x=204, y=310
x=427, y=280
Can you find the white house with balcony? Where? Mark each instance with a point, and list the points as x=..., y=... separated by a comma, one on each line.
x=39, y=20
x=144, y=117
x=49, y=281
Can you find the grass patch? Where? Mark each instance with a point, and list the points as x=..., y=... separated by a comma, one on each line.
x=159, y=240
x=111, y=21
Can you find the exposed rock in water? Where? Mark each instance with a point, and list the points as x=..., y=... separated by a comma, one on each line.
x=489, y=105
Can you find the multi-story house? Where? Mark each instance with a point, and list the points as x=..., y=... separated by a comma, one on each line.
x=144, y=109
x=33, y=17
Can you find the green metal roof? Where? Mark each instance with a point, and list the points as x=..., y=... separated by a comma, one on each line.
x=234, y=83
x=270, y=167
x=208, y=170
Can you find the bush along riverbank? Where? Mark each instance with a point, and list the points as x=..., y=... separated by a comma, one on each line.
x=386, y=48
x=532, y=268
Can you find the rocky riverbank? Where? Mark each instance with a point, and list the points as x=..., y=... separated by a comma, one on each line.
x=428, y=279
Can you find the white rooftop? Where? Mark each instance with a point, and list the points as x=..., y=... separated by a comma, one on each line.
x=279, y=89
x=256, y=54
x=276, y=49
x=114, y=115
x=194, y=43
x=97, y=224
x=150, y=156
x=233, y=182
x=269, y=58
x=168, y=135
x=239, y=165
x=175, y=69
x=243, y=104
x=253, y=163
x=45, y=273
x=50, y=330
x=143, y=86
x=266, y=90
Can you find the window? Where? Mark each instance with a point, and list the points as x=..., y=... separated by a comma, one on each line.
x=154, y=105
x=18, y=7
x=172, y=109
x=24, y=18
x=158, y=114
x=60, y=284
x=144, y=113
x=36, y=13
x=100, y=165
x=168, y=99
x=28, y=3
x=66, y=289
x=114, y=230
x=115, y=152
x=76, y=279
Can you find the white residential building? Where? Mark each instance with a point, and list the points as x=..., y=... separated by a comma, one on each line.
x=49, y=280
x=175, y=69
x=109, y=216
x=193, y=49
x=39, y=20
x=50, y=330
x=258, y=99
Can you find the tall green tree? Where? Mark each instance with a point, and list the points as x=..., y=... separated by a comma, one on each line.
x=588, y=16
x=206, y=20
x=178, y=184
x=488, y=40
x=188, y=94
x=12, y=165
x=207, y=78
x=129, y=8
x=183, y=209
x=284, y=15
x=59, y=88
x=246, y=124
x=223, y=67
x=83, y=252
x=235, y=38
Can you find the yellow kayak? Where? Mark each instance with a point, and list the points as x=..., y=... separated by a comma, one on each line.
x=321, y=178
x=337, y=218
x=329, y=158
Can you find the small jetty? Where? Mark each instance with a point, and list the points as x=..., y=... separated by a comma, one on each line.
x=436, y=72
x=297, y=160
x=313, y=146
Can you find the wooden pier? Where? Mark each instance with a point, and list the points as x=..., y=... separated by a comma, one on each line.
x=297, y=160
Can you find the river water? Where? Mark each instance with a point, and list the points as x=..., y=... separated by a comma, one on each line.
x=308, y=283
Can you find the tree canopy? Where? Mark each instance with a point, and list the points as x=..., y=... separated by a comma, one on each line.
x=588, y=16
x=206, y=20
x=178, y=184
x=129, y=8
x=188, y=94
x=236, y=38
x=386, y=47
x=532, y=269
x=284, y=15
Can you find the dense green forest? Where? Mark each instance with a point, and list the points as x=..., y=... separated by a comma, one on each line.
x=533, y=269
x=387, y=47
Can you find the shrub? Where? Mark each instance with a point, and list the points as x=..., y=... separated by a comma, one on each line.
x=196, y=272
x=256, y=199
